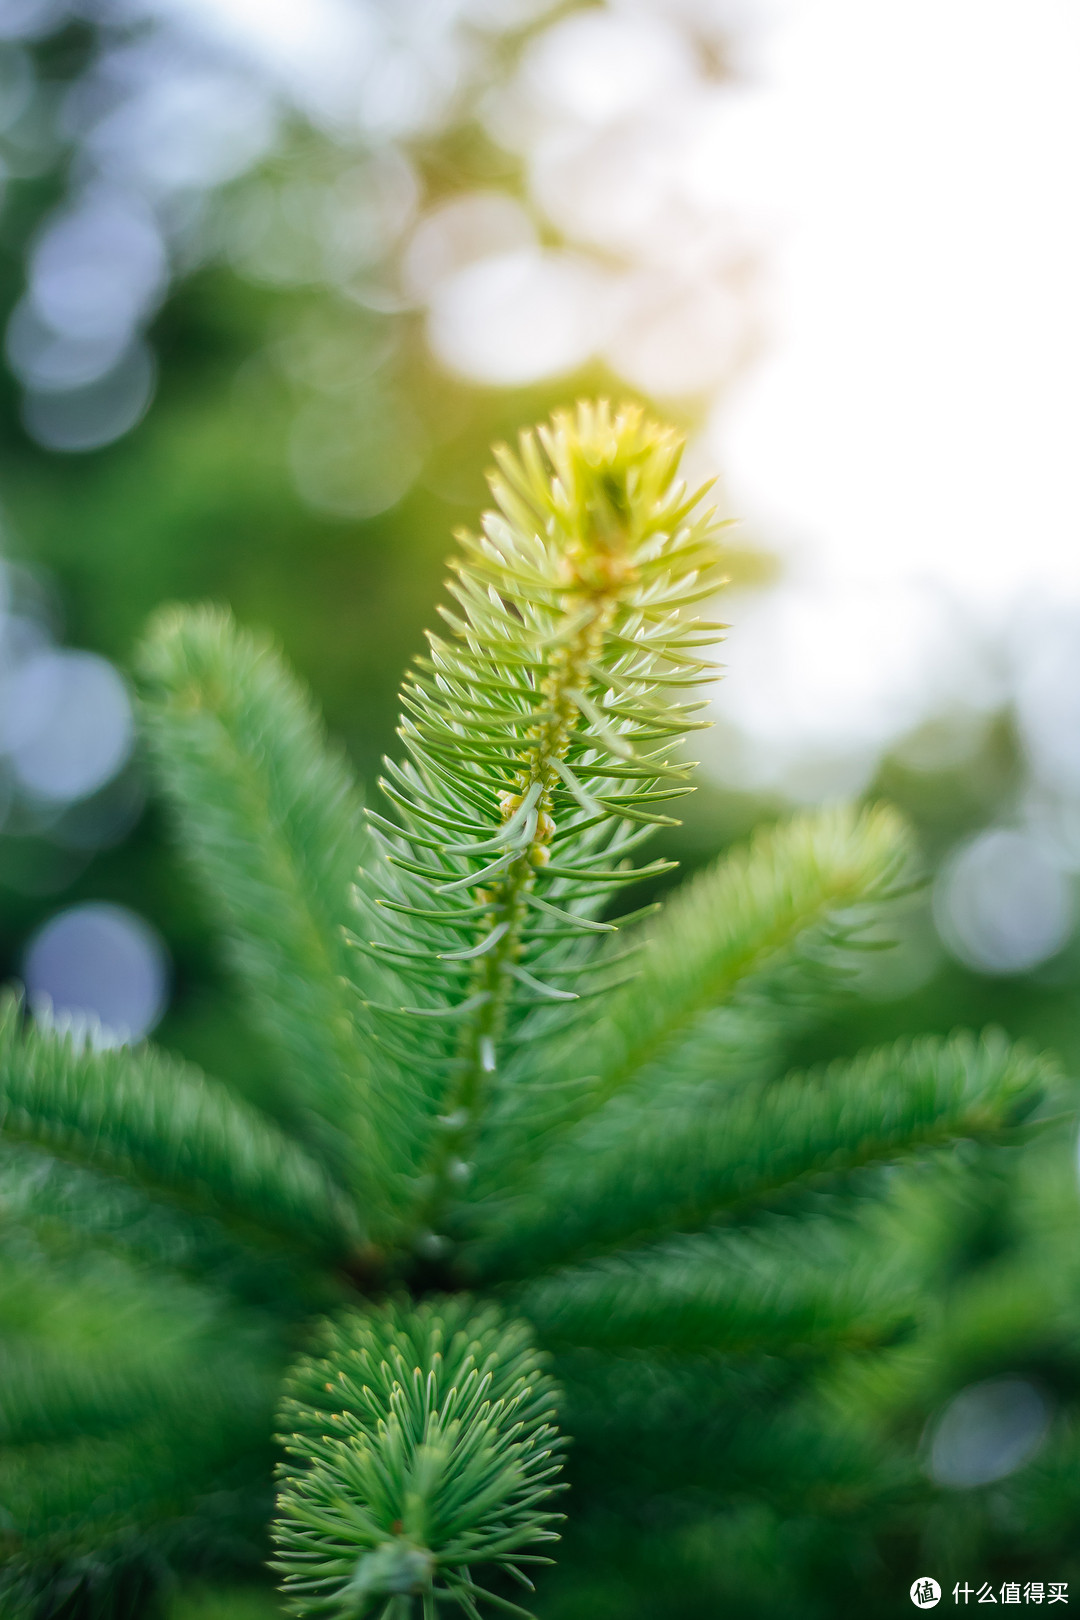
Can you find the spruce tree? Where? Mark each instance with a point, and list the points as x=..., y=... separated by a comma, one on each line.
x=524, y=1166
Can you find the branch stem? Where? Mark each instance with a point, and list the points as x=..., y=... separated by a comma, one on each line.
x=507, y=910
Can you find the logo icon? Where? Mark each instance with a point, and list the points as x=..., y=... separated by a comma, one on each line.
x=925, y=1592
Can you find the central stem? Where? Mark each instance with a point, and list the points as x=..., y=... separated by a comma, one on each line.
x=549, y=741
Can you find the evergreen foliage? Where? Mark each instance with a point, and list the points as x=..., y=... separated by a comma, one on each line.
x=441, y=1455
x=708, y=1150
x=270, y=818
x=166, y=1128
x=488, y=1182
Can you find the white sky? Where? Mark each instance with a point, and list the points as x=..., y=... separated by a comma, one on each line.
x=920, y=410
x=911, y=434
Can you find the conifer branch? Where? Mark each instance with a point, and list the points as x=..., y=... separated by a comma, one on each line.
x=135, y=1411
x=533, y=735
x=67, y=1207
x=426, y=1448
x=170, y=1130
x=792, y=890
x=182, y=1483
x=677, y=1158
x=46, y=1396
x=91, y=1345
x=271, y=819
x=810, y=1284
x=734, y=1426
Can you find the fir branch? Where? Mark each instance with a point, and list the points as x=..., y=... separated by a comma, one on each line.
x=531, y=732
x=1012, y=1309
x=271, y=820
x=189, y=1484
x=46, y=1395
x=91, y=1344
x=65, y=1206
x=733, y=1426
x=793, y=888
x=426, y=1448
x=797, y=1286
x=133, y=1406
x=168, y=1129
x=676, y=1158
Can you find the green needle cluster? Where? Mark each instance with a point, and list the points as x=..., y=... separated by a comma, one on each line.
x=429, y=1443
x=541, y=739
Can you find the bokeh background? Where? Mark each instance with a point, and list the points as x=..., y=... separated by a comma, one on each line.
x=274, y=274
